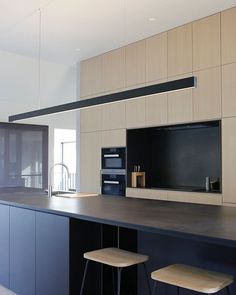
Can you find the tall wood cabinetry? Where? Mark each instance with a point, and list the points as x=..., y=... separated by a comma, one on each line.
x=205, y=48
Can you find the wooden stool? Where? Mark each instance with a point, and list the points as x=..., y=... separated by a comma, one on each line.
x=192, y=278
x=5, y=291
x=117, y=258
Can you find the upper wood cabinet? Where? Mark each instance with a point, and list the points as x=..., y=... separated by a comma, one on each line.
x=135, y=63
x=114, y=138
x=180, y=50
x=156, y=109
x=180, y=106
x=113, y=116
x=228, y=33
x=91, y=119
x=113, y=70
x=156, y=57
x=229, y=160
x=206, y=42
x=229, y=90
x=207, y=95
x=91, y=76
x=135, y=113
x=90, y=161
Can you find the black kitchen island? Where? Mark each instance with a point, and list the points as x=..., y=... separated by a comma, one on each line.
x=44, y=239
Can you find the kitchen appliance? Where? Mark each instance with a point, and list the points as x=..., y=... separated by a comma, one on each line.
x=113, y=158
x=113, y=173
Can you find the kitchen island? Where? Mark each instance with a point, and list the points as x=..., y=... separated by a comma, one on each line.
x=48, y=237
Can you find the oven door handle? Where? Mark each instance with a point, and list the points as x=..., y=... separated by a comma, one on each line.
x=111, y=182
x=111, y=156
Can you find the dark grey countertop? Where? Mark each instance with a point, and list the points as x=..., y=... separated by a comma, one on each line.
x=208, y=223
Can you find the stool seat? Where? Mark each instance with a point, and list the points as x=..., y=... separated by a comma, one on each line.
x=192, y=278
x=5, y=291
x=115, y=257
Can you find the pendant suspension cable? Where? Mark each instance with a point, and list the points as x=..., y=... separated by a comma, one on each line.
x=39, y=56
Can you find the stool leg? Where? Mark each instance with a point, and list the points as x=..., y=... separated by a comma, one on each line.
x=146, y=273
x=118, y=280
x=84, y=276
x=228, y=290
x=154, y=288
x=113, y=281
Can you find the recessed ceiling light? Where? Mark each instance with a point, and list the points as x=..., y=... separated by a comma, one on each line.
x=152, y=19
x=77, y=49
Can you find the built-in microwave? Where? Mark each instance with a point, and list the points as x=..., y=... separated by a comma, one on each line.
x=113, y=158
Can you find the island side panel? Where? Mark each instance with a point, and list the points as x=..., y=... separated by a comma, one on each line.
x=4, y=245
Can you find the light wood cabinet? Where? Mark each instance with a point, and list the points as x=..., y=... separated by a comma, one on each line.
x=146, y=193
x=90, y=158
x=229, y=160
x=180, y=104
x=113, y=70
x=156, y=57
x=91, y=77
x=135, y=113
x=228, y=33
x=207, y=95
x=114, y=138
x=206, y=42
x=91, y=119
x=135, y=63
x=180, y=50
x=113, y=116
x=156, y=109
x=198, y=198
x=229, y=90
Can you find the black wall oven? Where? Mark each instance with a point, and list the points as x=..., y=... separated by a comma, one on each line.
x=113, y=174
x=113, y=158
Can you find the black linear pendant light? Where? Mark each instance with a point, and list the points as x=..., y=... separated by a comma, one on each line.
x=169, y=86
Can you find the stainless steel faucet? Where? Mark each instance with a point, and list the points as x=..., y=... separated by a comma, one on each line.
x=50, y=185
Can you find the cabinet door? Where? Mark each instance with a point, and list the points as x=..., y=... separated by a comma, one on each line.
x=228, y=90
x=229, y=160
x=91, y=77
x=207, y=95
x=91, y=119
x=228, y=40
x=113, y=69
x=135, y=113
x=113, y=116
x=135, y=63
x=180, y=104
x=180, y=50
x=156, y=109
x=156, y=57
x=90, y=162
x=114, y=138
x=52, y=254
x=4, y=245
x=206, y=42
x=154, y=194
x=22, y=251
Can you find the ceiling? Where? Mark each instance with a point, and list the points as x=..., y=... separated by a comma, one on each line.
x=73, y=30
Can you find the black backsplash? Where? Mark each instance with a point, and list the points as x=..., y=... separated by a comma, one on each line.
x=176, y=157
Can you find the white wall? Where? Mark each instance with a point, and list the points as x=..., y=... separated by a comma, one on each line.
x=19, y=84
x=19, y=91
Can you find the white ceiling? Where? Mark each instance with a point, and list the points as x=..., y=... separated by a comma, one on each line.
x=93, y=26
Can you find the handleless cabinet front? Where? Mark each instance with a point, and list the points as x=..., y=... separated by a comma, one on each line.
x=52, y=254
x=22, y=251
x=4, y=245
